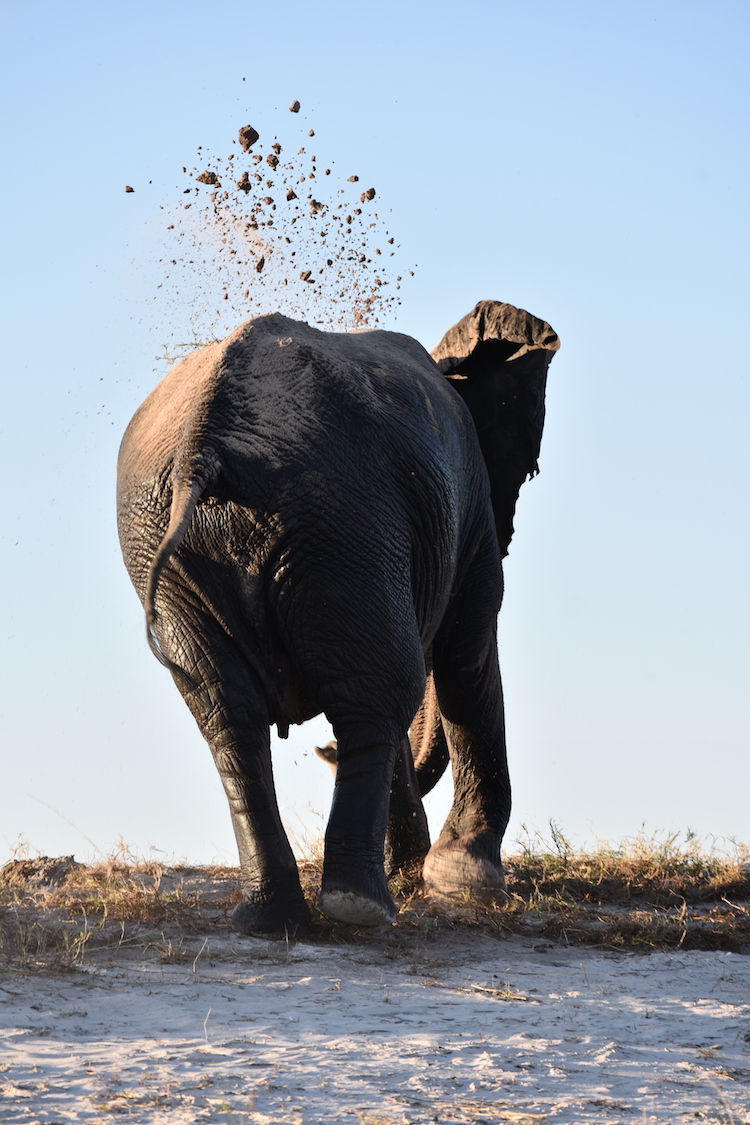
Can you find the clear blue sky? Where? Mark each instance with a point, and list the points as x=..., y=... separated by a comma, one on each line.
x=586, y=161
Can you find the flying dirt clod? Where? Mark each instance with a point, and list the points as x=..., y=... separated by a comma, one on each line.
x=239, y=251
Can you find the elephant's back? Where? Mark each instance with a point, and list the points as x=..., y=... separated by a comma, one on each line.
x=308, y=427
x=275, y=383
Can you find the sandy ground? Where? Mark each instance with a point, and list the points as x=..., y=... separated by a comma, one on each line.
x=456, y=1028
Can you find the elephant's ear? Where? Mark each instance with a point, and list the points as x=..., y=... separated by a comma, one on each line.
x=497, y=359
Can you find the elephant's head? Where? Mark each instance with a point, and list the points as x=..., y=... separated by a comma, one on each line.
x=497, y=357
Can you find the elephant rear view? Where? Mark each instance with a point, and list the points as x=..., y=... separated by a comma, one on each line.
x=307, y=519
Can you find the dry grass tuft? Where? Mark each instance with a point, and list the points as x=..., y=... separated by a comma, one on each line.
x=646, y=893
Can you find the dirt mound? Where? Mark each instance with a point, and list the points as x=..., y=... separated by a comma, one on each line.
x=39, y=871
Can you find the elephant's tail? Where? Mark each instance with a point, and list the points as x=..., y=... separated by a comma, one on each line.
x=185, y=497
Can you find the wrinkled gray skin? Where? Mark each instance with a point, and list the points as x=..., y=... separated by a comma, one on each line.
x=307, y=519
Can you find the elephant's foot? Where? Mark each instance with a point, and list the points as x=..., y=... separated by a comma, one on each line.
x=358, y=897
x=284, y=915
x=457, y=867
x=355, y=909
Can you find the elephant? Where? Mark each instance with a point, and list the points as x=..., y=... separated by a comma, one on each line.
x=315, y=523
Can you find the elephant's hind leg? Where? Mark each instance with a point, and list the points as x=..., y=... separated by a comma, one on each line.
x=229, y=706
x=355, y=642
x=407, y=840
x=354, y=887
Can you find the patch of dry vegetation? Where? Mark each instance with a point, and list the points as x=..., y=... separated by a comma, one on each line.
x=647, y=893
x=53, y=912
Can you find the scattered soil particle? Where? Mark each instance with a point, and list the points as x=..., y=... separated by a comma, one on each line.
x=294, y=107
x=247, y=138
x=327, y=232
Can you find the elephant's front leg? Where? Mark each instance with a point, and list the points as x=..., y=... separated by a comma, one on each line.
x=231, y=712
x=272, y=899
x=466, y=856
x=407, y=840
x=354, y=887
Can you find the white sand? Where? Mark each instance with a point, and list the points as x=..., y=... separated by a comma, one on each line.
x=449, y=1029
